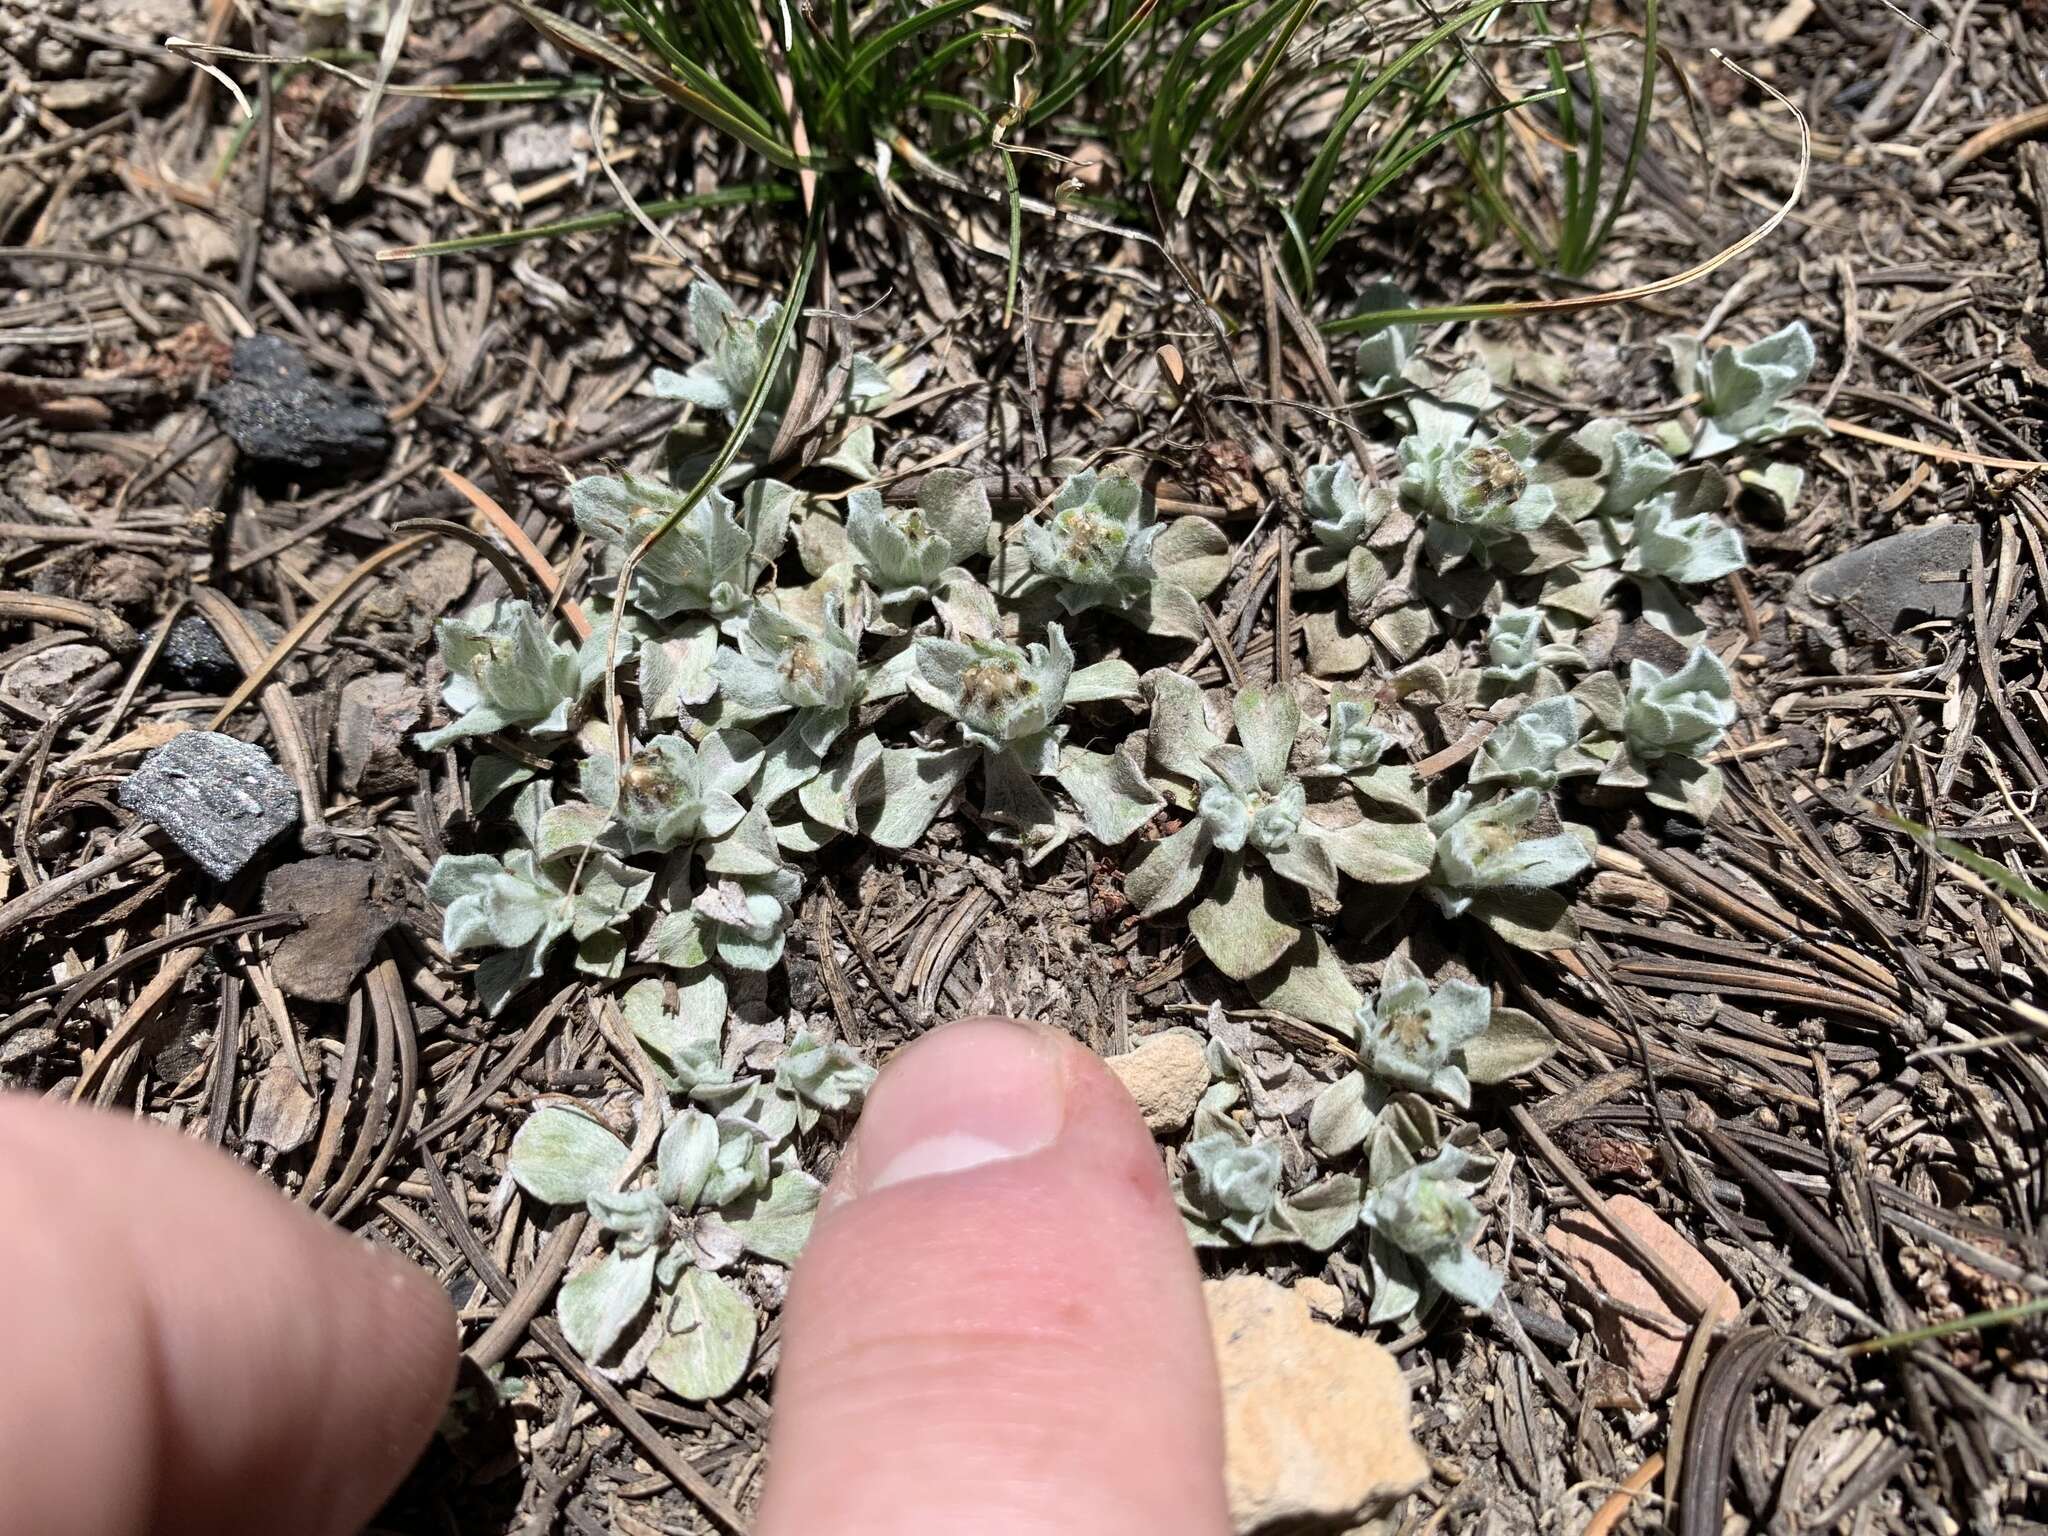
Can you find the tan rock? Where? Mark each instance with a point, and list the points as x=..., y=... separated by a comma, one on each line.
x=1584, y=1242
x=1323, y=1298
x=1315, y=1420
x=1166, y=1073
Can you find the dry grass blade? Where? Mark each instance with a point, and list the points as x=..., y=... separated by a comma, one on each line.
x=1933, y=450
x=506, y=529
x=308, y=622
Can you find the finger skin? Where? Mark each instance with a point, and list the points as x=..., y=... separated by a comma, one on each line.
x=1010, y=1349
x=182, y=1350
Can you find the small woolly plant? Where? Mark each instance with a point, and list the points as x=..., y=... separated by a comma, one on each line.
x=909, y=554
x=656, y=1300
x=1743, y=389
x=507, y=670
x=1415, y=1038
x=1656, y=732
x=1480, y=623
x=1251, y=815
x=708, y=556
x=1231, y=1188
x=1422, y=1225
x=1007, y=701
x=1099, y=547
x=733, y=345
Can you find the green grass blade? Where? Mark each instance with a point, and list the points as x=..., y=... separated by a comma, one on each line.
x=1596, y=159
x=1997, y=1317
x=869, y=56
x=1985, y=869
x=1425, y=102
x=1315, y=186
x=1646, y=102
x=1170, y=122
x=1361, y=199
x=570, y=88
x=613, y=218
x=1016, y=237
x=718, y=113
x=1255, y=91
x=1111, y=50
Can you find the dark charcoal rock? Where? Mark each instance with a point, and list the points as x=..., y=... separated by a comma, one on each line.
x=346, y=916
x=219, y=799
x=197, y=657
x=1922, y=573
x=278, y=412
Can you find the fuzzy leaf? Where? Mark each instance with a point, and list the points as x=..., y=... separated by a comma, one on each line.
x=1342, y=1116
x=1233, y=1182
x=777, y=1224
x=1481, y=847
x=1241, y=925
x=1525, y=751
x=1267, y=722
x=1678, y=538
x=560, y=1157
x=1310, y=984
x=506, y=670
x=685, y=1044
x=823, y=1075
x=1512, y=1043
x=1380, y=853
x=596, y=1305
x=1113, y=798
x=707, y=1338
x=902, y=789
x=1685, y=713
x=1413, y=1038
x=1169, y=871
x=1179, y=738
x=1101, y=681
x=1427, y=1213
x=1743, y=390
x=1193, y=554
x=1323, y=1214
x=1518, y=646
x=707, y=561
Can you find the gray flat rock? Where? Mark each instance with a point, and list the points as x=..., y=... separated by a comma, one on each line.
x=1922, y=572
x=221, y=800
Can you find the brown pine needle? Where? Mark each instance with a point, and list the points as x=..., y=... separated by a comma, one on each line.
x=502, y=524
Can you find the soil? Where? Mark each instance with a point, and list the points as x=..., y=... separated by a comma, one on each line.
x=1804, y=1036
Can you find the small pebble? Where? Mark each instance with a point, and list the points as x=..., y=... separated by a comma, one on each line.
x=221, y=800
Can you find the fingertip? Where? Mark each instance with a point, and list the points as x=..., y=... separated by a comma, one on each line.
x=998, y=1323
x=212, y=1357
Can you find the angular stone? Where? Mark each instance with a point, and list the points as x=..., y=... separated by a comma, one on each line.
x=197, y=657
x=377, y=714
x=49, y=679
x=1166, y=1073
x=1323, y=1298
x=1584, y=1242
x=1315, y=1420
x=279, y=412
x=1922, y=573
x=219, y=799
x=345, y=922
